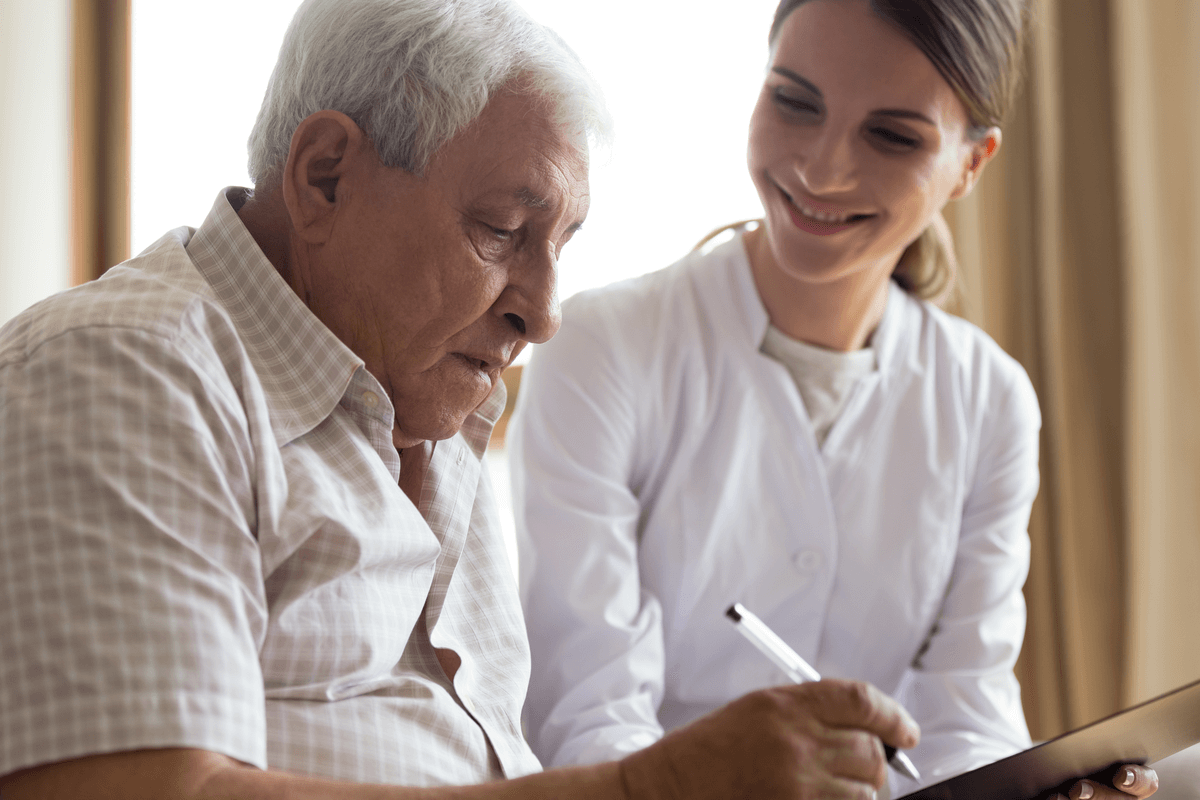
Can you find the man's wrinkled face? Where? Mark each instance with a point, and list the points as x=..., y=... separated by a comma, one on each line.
x=437, y=282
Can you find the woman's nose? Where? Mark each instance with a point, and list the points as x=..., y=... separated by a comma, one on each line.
x=828, y=165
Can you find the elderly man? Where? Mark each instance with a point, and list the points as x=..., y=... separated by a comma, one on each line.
x=247, y=548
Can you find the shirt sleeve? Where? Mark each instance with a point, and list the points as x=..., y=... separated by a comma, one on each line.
x=961, y=689
x=131, y=599
x=595, y=634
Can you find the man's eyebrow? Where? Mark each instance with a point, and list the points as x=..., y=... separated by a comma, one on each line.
x=532, y=199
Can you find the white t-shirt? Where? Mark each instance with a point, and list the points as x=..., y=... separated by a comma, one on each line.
x=824, y=377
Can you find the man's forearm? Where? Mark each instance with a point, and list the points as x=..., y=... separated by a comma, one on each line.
x=788, y=742
x=599, y=782
x=200, y=775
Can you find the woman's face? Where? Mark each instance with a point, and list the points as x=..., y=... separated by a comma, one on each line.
x=855, y=143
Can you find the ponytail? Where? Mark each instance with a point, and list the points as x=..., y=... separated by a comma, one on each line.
x=927, y=267
x=736, y=227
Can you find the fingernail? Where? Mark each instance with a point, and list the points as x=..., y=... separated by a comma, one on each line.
x=1086, y=791
x=1127, y=777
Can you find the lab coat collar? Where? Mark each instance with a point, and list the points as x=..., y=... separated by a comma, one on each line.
x=752, y=317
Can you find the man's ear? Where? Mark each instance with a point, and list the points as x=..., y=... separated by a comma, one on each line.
x=981, y=152
x=326, y=147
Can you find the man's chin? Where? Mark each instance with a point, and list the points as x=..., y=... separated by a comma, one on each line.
x=410, y=432
x=411, y=437
x=420, y=418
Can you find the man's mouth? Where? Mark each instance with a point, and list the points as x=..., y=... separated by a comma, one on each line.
x=485, y=363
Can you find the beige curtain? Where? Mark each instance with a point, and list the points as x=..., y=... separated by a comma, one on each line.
x=1080, y=254
x=100, y=136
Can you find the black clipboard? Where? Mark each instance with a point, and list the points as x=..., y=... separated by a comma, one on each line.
x=1142, y=734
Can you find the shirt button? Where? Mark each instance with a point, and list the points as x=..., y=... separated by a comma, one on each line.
x=371, y=399
x=467, y=704
x=461, y=457
x=808, y=560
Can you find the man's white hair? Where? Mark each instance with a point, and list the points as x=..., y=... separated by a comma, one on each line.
x=413, y=73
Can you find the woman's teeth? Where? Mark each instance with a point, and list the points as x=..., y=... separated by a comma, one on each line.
x=822, y=216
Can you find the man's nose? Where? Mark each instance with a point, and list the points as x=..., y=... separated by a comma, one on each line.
x=828, y=165
x=530, y=301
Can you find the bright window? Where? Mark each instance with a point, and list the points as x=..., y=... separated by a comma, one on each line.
x=680, y=78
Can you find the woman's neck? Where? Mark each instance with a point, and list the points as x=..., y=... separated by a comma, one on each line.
x=840, y=314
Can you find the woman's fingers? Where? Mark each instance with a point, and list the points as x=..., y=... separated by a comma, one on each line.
x=1136, y=780
x=1129, y=781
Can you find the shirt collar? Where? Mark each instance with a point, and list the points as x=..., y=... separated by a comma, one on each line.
x=477, y=428
x=303, y=367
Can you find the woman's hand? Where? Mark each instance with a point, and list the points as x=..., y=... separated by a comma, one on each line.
x=1129, y=781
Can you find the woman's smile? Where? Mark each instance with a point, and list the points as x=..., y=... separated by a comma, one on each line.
x=821, y=219
x=855, y=144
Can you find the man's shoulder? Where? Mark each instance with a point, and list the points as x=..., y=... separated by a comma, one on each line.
x=158, y=293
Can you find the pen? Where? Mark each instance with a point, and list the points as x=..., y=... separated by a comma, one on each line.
x=798, y=670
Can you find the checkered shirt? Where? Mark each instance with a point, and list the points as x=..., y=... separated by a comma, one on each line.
x=203, y=542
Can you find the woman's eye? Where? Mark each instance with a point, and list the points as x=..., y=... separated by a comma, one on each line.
x=794, y=104
x=894, y=139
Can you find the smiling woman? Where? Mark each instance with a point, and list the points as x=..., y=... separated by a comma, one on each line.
x=852, y=157
x=785, y=420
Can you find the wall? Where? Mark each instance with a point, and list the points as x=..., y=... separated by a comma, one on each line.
x=34, y=151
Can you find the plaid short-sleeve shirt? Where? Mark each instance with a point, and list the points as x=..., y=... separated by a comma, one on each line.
x=203, y=542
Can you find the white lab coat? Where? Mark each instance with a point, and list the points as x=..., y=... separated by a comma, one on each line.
x=664, y=468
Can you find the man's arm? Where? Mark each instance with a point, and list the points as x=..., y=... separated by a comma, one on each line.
x=815, y=740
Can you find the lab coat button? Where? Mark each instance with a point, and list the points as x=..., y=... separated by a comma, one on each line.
x=808, y=560
x=370, y=399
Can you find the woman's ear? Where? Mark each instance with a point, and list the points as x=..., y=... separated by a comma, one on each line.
x=980, y=152
x=326, y=148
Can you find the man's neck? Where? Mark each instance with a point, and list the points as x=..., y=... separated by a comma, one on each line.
x=414, y=463
x=265, y=216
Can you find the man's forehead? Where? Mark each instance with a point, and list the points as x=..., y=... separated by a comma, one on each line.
x=516, y=152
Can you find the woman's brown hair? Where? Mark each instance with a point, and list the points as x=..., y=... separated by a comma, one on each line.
x=978, y=47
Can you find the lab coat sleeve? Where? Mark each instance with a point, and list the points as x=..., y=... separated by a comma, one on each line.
x=962, y=688
x=595, y=635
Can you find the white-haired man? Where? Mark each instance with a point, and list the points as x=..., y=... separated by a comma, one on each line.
x=246, y=545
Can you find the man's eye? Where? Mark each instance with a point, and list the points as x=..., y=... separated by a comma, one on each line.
x=894, y=139
x=502, y=234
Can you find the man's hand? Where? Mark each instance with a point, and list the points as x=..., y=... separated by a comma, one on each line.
x=808, y=741
x=1129, y=781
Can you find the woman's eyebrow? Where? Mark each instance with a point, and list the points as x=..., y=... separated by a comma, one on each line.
x=792, y=76
x=905, y=114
